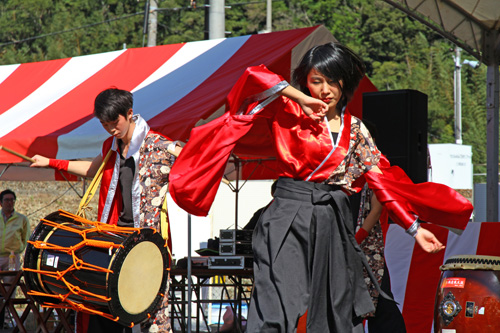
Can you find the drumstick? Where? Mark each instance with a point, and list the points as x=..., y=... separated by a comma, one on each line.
x=173, y=152
x=18, y=154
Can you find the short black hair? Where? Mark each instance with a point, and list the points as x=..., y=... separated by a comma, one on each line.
x=5, y=192
x=335, y=61
x=111, y=103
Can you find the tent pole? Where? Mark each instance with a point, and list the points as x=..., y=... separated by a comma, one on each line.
x=492, y=109
x=237, y=164
x=3, y=171
x=189, y=275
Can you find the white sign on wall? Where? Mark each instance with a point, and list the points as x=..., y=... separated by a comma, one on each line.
x=451, y=165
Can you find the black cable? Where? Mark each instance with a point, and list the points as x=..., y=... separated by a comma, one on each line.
x=36, y=211
x=70, y=30
x=117, y=19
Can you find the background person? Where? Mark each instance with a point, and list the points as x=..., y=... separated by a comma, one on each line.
x=14, y=234
x=387, y=316
x=134, y=183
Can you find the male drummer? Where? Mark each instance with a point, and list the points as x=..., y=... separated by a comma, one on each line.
x=134, y=181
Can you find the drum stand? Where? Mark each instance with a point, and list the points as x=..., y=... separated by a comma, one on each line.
x=41, y=318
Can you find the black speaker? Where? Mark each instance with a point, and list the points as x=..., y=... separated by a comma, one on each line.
x=400, y=118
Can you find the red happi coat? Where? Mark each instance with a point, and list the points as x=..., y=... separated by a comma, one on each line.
x=303, y=150
x=110, y=200
x=115, y=207
x=152, y=164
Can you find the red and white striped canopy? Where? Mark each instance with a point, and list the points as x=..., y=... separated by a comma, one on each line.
x=46, y=107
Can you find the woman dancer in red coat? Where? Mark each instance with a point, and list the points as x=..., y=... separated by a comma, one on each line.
x=305, y=253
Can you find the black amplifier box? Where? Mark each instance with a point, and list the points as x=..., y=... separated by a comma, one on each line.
x=235, y=235
x=229, y=262
x=238, y=248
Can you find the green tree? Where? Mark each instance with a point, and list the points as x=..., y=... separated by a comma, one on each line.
x=58, y=29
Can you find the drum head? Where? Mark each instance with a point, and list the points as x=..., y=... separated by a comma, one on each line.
x=138, y=282
x=143, y=267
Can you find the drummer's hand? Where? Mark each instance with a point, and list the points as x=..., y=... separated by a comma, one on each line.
x=40, y=162
x=314, y=108
x=427, y=241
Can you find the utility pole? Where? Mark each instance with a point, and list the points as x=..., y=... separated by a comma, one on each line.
x=152, y=22
x=206, y=6
x=269, y=16
x=216, y=19
x=458, y=91
x=458, y=96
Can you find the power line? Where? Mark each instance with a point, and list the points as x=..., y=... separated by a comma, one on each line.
x=116, y=19
x=70, y=30
x=249, y=3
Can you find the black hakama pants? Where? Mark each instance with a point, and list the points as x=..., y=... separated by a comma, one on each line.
x=306, y=258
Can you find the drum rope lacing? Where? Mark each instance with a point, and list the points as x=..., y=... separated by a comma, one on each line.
x=79, y=264
x=471, y=262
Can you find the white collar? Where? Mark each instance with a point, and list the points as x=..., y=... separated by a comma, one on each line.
x=140, y=131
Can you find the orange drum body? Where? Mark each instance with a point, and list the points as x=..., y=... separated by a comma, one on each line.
x=468, y=295
x=117, y=273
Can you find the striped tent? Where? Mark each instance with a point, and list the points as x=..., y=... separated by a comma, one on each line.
x=46, y=107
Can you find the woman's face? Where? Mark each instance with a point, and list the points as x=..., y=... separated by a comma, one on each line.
x=323, y=88
x=119, y=127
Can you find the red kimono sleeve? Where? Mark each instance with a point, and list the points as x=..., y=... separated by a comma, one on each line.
x=197, y=172
x=430, y=202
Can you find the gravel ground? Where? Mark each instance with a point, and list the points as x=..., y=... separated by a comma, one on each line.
x=38, y=199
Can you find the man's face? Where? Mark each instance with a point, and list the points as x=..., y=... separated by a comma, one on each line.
x=8, y=202
x=119, y=127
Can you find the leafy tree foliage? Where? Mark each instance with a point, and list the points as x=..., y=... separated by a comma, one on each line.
x=36, y=30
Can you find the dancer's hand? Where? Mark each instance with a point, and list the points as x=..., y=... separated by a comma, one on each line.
x=427, y=241
x=314, y=108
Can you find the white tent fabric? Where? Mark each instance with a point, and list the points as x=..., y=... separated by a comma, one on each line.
x=47, y=106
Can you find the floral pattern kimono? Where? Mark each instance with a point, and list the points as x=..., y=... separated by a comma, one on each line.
x=373, y=245
x=153, y=163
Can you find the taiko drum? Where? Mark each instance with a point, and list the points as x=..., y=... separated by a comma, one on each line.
x=468, y=295
x=118, y=273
